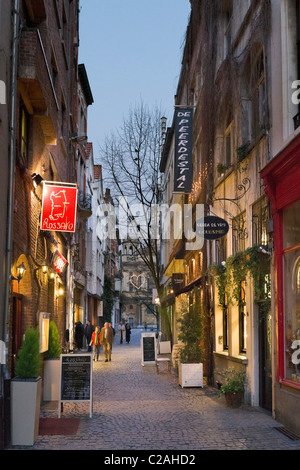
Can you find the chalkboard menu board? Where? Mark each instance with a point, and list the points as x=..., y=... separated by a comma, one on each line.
x=76, y=377
x=148, y=348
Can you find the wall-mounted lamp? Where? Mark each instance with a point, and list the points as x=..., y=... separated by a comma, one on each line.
x=78, y=138
x=44, y=269
x=37, y=179
x=20, y=271
x=60, y=291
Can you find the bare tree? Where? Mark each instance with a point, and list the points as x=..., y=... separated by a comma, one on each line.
x=131, y=160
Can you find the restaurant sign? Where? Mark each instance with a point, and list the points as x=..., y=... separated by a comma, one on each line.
x=59, y=262
x=211, y=228
x=59, y=207
x=183, y=169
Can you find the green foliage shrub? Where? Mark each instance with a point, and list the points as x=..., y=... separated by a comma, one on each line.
x=190, y=335
x=54, y=346
x=29, y=360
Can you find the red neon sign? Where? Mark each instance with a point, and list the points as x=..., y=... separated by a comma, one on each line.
x=59, y=208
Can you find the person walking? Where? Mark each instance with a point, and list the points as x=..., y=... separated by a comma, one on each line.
x=114, y=333
x=79, y=331
x=121, y=329
x=106, y=338
x=88, y=331
x=96, y=343
x=127, y=332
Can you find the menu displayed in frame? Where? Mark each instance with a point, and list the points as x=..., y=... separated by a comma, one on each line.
x=148, y=348
x=76, y=374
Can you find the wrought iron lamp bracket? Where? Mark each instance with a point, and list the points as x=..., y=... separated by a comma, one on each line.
x=243, y=187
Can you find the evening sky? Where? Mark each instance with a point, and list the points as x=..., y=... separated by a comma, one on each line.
x=132, y=51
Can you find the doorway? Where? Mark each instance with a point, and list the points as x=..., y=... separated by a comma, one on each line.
x=265, y=363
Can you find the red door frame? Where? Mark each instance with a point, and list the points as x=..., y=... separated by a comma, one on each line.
x=281, y=179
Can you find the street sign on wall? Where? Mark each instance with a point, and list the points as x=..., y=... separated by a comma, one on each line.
x=59, y=207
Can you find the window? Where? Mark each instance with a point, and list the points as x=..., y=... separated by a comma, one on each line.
x=225, y=324
x=239, y=233
x=221, y=250
x=64, y=26
x=24, y=125
x=228, y=146
x=260, y=216
x=296, y=26
x=242, y=320
x=63, y=118
x=254, y=101
x=228, y=26
x=291, y=241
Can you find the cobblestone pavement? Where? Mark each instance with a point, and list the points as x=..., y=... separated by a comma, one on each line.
x=134, y=408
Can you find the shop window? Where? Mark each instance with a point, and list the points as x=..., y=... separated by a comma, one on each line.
x=291, y=240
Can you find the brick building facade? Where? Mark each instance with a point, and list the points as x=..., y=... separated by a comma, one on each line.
x=46, y=117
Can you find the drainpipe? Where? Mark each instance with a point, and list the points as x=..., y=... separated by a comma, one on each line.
x=12, y=156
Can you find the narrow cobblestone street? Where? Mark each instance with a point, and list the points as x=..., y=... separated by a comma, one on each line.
x=134, y=408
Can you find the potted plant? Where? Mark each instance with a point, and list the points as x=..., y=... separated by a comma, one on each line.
x=190, y=370
x=233, y=387
x=52, y=365
x=26, y=390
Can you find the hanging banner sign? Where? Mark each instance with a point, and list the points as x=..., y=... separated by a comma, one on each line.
x=59, y=207
x=59, y=263
x=177, y=282
x=211, y=228
x=183, y=168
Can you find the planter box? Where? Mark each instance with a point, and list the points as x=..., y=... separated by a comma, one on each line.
x=190, y=375
x=234, y=399
x=51, y=380
x=25, y=411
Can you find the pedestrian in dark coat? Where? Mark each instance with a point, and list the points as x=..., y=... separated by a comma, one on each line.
x=79, y=331
x=127, y=332
x=89, y=329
